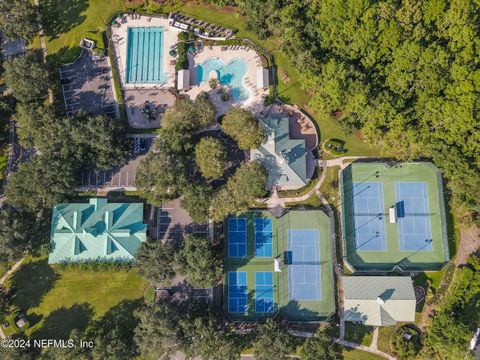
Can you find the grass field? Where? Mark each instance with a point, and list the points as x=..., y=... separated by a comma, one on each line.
x=384, y=337
x=394, y=254
x=66, y=22
x=350, y=354
x=358, y=334
x=56, y=301
x=329, y=188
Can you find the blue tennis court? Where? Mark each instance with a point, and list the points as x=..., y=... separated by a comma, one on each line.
x=304, y=264
x=263, y=237
x=414, y=231
x=237, y=292
x=368, y=216
x=237, y=237
x=264, y=292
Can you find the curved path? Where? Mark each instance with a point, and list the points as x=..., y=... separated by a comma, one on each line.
x=274, y=200
x=4, y=278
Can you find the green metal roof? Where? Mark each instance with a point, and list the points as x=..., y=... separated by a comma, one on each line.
x=97, y=230
x=284, y=158
x=379, y=300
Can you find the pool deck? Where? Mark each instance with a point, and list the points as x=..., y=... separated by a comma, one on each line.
x=120, y=36
x=249, y=81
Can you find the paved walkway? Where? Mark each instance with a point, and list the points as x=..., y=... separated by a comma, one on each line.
x=373, y=344
x=5, y=278
x=43, y=44
x=274, y=200
x=364, y=348
x=336, y=266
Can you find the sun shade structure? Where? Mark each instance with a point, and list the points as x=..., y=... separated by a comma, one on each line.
x=183, y=80
x=379, y=300
x=284, y=158
x=96, y=231
x=262, y=78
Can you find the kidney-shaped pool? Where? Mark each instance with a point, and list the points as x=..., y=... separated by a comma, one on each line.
x=230, y=74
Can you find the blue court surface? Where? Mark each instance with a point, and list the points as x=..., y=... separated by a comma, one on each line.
x=414, y=230
x=263, y=237
x=304, y=264
x=237, y=292
x=264, y=292
x=368, y=216
x=237, y=237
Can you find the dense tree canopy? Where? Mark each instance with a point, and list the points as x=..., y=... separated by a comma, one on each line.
x=211, y=157
x=164, y=329
x=205, y=336
x=162, y=174
x=406, y=348
x=18, y=232
x=154, y=261
x=67, y=353
x=248, y=184
x=4, y=303
x=26, y=76
x=320, y=347
x=156, y=334
x=84, y=141
x=189, y=116
x=452, y=326
x=243, y=127
x=272, y=341
x=196, y=200
x=405, y=73
x=168, y=167
x=40, y=183
x=19, y=19
x=199, y=262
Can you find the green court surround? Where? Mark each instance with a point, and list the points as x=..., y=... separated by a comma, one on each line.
x=393, y=258
x=292, y=310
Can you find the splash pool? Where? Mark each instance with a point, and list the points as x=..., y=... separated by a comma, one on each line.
x=230, y=74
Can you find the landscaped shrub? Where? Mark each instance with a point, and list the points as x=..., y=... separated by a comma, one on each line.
x=406, y=343
x=213, y=83
x=335, y=147
x=182, y=61
x=186, y=36
x=95, y=266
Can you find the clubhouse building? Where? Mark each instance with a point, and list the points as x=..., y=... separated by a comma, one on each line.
x=96, y=231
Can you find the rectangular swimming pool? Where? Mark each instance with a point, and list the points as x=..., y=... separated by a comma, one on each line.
x=145, y=56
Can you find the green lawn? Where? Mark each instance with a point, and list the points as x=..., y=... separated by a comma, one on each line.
x=329, y=188
x=350, y=354
x=56, y=301
x=384, y=335
x=359, y=334
x=66, y=22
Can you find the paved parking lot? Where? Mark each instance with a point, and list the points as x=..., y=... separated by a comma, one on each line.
x=118, y=177
x=173, y=222
x=87, y=85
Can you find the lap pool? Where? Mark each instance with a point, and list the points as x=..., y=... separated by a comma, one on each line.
x=230, y=74
x=145, y=56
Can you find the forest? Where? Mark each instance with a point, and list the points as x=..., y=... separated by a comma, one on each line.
x=404, y=74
